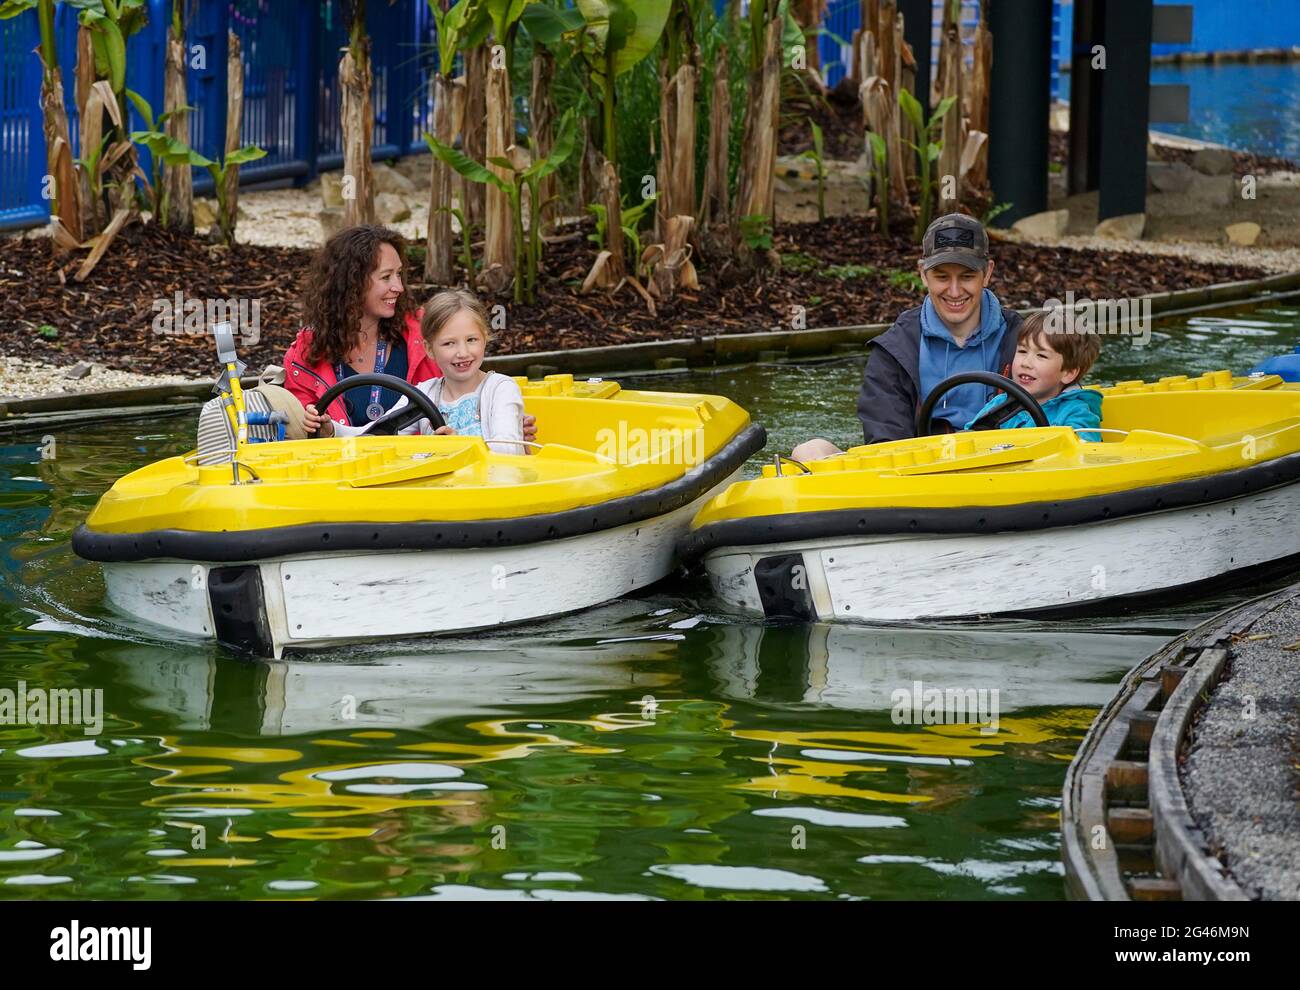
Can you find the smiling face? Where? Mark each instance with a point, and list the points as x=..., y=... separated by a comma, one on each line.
x=385, y=286
x=956, y=291
x=458, y=347
x=1038, y=368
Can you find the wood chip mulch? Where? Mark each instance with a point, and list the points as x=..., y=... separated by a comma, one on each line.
x=109, y=319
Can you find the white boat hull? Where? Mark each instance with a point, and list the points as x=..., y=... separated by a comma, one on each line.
x=902, y=577
x=320, y=600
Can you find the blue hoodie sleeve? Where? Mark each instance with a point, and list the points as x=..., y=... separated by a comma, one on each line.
x=1081, y=414
x=989, y=406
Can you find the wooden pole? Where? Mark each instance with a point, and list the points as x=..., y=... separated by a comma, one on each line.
x=473, y=195
x=355, y=82
x=234, y=125
x=178, y=179
x=439, y=247
x=756, y=192
x=541, y=108
x=950, y=156
x=499, y=232
x=716, y=208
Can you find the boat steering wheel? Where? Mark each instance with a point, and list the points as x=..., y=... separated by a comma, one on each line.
x=419, y=406
x=1015, y=394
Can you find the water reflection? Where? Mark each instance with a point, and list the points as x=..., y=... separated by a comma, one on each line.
x=648, y=749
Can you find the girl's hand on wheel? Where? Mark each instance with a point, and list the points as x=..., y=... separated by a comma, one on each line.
x=314, y=422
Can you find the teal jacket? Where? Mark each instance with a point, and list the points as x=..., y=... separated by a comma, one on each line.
x=1075, y=407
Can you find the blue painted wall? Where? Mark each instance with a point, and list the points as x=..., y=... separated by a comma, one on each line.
x=1237, y=25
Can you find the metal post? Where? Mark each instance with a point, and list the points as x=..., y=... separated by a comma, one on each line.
x=306, y=90
x=1020, y=106
x=216, y=109
x=1085, y=98
x=1125, y=88
x=918, y=28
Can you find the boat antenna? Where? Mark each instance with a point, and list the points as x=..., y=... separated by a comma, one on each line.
x=232, y=395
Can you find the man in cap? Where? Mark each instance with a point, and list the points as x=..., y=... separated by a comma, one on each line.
x=960, y=327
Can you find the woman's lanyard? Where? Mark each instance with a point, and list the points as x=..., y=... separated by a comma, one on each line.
x=376, y=408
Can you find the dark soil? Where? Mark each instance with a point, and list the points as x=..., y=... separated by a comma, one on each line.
x=838, y=114
x=110, y=318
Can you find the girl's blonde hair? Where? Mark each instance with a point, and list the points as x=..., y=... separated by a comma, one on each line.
x=442, y=307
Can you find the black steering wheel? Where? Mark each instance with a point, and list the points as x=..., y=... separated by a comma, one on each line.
x=1016, y=395
x=419, y=406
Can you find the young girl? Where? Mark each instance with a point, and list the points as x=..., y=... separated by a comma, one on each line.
x=474, y=402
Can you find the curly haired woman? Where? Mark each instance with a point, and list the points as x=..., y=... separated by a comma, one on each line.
x=359, y=319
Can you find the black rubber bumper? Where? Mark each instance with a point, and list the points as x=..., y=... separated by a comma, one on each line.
x=282, y=541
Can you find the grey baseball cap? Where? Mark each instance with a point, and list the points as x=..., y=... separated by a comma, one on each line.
x=955, y=239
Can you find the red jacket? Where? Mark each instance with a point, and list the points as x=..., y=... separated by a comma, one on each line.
x=308, y=382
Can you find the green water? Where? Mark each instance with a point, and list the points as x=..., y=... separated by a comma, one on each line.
x=530, y=763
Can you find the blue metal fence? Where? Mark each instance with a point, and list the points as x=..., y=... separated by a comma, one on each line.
x=291, y=50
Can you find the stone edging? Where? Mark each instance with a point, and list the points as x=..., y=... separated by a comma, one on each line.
x=1182, y=853
x=642, y=357
x=1126, y=831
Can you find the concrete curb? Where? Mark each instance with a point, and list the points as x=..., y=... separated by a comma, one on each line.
x=650, y=357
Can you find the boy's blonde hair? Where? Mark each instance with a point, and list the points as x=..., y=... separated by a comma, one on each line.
x=439, y=310
x=1079, y=351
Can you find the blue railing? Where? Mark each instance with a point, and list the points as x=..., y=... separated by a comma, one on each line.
x=291, y=50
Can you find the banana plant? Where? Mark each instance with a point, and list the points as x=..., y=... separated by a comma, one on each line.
x=928, y=151
x=163, y=150
x=630, y=218
x=527, y=250
x=59, y=153
x=218, y=170
x=459, y=26
x=111, y=23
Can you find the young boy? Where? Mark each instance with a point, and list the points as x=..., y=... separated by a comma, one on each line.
x=1048, y=366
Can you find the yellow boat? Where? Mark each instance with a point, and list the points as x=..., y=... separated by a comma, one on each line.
x=1194, y=479
x=306, y=543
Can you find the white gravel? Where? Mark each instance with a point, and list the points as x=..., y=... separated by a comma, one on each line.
x=1273, y=260
x=22, y=379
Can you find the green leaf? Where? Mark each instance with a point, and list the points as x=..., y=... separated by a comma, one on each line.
x=500, y=162
x=912, y=107
x=547, y=25
x=565, y=142
x=936, y=119
x=142, y=108
x=462, y=164
x=879, y=150
x=629, y=29
x=818, y=144
x=791, y=33
x=248, y=153
x=633, y=215
x=12, y=8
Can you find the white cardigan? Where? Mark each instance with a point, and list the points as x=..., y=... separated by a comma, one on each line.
x=500, y=408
